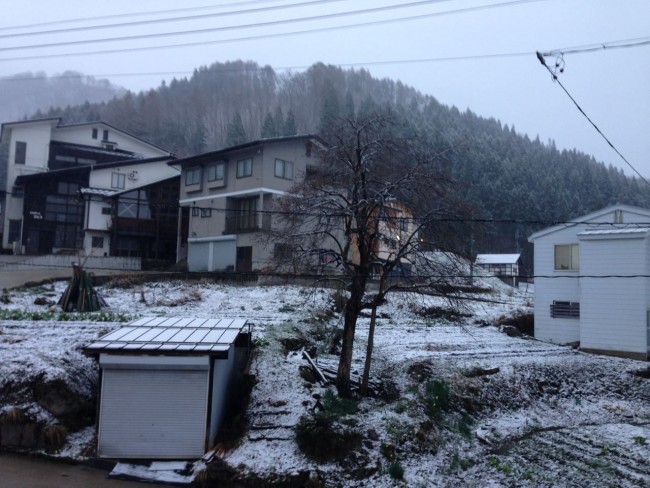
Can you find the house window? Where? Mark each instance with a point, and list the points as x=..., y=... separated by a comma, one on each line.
x=21, y=152
x=566, y=310
x=118, y=180
x=94, y=133
x=244, y=168
x=97, y=242
x=106, y=210
x=105, y=136
x=14, y=230
x=284, y=169
x=195, y=211
x=206, y=212
x=193, y=176
x=567, y=257
x=403, y=224
x=216, y=172
x=245, y=216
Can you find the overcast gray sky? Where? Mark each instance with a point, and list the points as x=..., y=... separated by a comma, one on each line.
x=476, y=54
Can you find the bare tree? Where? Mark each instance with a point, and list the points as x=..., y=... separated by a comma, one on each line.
x=363, y=207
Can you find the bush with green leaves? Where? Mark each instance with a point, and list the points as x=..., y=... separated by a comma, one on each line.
x=436, y=398
x=322, y=436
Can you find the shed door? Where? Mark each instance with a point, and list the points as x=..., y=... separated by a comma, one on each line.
x=153, y=414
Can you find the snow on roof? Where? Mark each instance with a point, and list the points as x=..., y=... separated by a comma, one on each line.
x=98, y=191
x=171, y=334
x=627, y=230
x=497, y=258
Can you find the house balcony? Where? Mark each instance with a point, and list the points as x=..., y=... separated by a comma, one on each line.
x=240, y=224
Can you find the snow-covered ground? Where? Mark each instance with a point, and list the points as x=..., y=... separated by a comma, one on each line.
x=550, y=416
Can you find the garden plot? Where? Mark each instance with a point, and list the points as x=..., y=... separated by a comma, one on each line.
x=545, y=415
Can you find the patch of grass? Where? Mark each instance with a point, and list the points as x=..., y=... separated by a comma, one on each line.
x=322, y=435
x=396, y=471
x=502, y=467
x=322, y=441
x=286, y=309
x=435, y=398
x=640, y=440
x=335, y=406
x=66, y=316
x=464, y=426
x=397, y=430
x=460, y=464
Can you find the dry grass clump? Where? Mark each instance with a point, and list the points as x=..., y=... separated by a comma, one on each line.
x=55, y=437
x=14, y=415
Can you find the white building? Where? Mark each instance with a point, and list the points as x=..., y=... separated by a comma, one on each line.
x=503, y=266
x=592, y=282
x=56, y=161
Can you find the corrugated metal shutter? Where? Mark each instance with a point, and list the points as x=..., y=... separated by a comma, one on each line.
x=198, y=256
x=153, y=414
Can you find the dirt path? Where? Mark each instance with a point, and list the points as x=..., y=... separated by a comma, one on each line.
x=30, y=472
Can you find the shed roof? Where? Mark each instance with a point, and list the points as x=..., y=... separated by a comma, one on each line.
x=175, y=335
x=620, y=232
x=497, y=258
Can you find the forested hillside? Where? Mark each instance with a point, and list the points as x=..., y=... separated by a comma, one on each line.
x=501, y=175
x=25, y=94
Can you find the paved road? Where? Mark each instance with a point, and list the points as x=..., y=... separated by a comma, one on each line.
x=17, y=275
x=29, y=472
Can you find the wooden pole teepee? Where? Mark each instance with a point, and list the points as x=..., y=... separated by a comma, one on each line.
x=80, y=295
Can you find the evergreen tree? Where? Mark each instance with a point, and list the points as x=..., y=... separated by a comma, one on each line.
x=290, y=125
x=278, y=119
x=236, y=133
x=269, y=127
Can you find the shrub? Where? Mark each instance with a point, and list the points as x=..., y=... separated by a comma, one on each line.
x=396, y=471
x=55, y=437
x=436, y=398
x=322, y=441
x=321, y=435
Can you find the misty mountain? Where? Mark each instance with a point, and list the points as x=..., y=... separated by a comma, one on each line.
x=25, y=94
x=511, y=185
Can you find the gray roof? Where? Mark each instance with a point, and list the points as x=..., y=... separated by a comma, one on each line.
x=178, y=335
x=497, y=258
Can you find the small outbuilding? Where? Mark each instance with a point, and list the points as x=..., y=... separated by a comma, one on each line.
x=592, y=282
x=165, y=385
x=503, y=266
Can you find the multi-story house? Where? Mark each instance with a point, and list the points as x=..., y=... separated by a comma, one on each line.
x=67, y=186
x=230, y=194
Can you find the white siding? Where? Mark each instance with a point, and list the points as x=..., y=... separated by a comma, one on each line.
x=613, y=310
x=82, y=134
x=142, y=174
x=553, y=285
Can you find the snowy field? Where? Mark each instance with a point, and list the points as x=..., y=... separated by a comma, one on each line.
x=548, y=416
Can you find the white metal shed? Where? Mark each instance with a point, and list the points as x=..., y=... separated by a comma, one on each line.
x=164, y=385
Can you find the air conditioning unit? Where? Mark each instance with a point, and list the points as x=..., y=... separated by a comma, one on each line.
x=133, y=175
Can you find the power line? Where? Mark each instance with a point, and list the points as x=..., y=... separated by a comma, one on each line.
x=132, y=14
x=433, y=219
x=587, y=48
x=542, y=60
x=414, y=279
x=175, y=19
x=600, y=46
x=260, y=36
